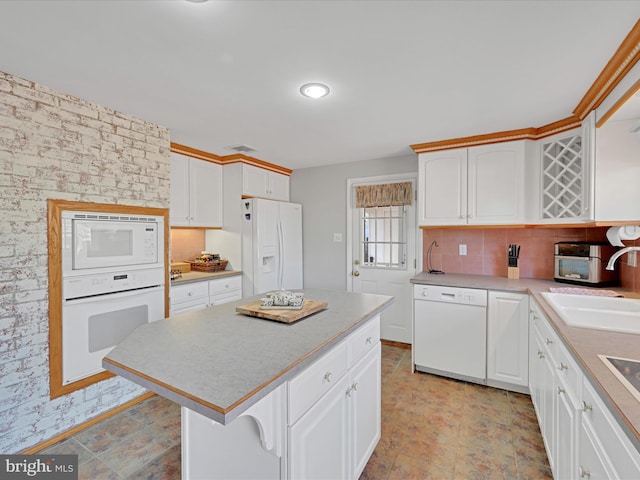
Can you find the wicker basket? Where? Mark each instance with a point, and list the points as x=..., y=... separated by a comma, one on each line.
x=217, y=266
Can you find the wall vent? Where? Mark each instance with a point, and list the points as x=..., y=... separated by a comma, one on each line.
x=241, y=148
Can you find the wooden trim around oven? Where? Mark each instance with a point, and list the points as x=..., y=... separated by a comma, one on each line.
x=54, y=245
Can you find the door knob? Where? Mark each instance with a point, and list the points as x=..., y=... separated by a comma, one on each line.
x=356, y=273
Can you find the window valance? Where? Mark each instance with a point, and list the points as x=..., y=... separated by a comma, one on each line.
x=384, y=195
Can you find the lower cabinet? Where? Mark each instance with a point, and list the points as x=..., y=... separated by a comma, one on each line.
x=508, y=340
x=335, y=437
x=322, y=424
x=198, y=295
x=581, y=437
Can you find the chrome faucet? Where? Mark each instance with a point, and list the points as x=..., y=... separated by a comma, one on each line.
x=618, y=254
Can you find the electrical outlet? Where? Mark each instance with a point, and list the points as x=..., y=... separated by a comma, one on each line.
x=462, y=249
x=632, y=259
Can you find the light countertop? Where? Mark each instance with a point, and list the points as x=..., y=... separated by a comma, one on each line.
x=219, y=363
x=192, y=276
x=585, y=344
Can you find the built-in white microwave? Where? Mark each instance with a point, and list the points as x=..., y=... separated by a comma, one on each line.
x=99, y=241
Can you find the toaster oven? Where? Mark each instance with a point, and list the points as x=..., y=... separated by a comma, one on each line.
x=583, y=263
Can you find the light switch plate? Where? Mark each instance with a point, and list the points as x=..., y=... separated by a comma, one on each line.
x=462, y=249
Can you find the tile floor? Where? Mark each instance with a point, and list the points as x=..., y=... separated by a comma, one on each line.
x=432, y=427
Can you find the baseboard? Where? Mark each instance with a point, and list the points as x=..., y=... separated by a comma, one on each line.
x=78, y=428
x=392, y=343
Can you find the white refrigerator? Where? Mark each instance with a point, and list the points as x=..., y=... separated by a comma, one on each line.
x=271, y=246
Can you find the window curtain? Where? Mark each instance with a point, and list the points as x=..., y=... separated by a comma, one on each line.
x=385, y=195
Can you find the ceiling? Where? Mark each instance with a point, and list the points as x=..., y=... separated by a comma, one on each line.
x=225, y=73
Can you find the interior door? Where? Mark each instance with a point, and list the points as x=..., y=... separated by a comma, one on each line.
x=382, y=257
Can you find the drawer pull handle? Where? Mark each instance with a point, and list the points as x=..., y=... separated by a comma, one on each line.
x=352, y=388
x=369, y=340
x=584, y=472
x=586, y=406
x=549, y=341
x=562, y=367
x=560, y=390
x=540, y=354
x=190, y=294
x=327, y=376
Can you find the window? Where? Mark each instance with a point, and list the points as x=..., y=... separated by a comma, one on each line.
x=382, y=241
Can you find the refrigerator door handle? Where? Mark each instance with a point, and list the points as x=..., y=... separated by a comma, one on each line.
x=280, y=255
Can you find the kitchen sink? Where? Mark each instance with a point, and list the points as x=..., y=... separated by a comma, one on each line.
x=596, y=312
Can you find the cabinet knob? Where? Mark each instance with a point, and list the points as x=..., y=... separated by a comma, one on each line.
x=560, y=390
x=369, y=340
x=562, y=367
x=549, y=341
x=327, y=376
x=540, y=354
x=586, y=406
x=584, y=472
x=190, y=294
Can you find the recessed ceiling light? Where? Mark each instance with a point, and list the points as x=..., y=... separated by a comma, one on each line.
x=314, y=90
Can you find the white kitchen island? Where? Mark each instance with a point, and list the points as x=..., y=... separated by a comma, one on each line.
x=263, y=399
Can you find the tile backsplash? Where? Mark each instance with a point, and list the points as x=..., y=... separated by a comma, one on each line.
x=187, y=243
x=487, y=250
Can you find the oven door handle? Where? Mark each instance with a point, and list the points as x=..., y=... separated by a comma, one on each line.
x=112, y=296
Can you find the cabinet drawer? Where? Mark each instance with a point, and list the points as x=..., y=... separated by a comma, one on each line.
x=315, y=381
x=225, y=285
x=363, y=340
x=542, y=327
x=616, y=446
x=189, y=292
x=225, y=297
x=568, y=370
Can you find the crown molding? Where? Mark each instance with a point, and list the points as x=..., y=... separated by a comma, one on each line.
x=228, y=159
x=625, y=57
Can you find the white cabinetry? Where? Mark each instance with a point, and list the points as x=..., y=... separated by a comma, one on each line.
x=196, y=192
x=565, y=190
x=335, y=436
x=508, y=340
x=581, y=437
x=259, y=182
x=198, y=295
x=480, y=185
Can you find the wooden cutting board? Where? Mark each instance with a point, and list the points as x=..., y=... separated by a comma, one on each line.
x=287, y=316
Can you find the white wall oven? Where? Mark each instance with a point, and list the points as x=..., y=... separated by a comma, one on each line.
x=113, y=279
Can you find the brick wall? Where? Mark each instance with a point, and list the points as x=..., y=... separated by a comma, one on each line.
x=54, y=145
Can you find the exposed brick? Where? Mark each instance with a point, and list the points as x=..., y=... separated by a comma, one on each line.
x=54, y=145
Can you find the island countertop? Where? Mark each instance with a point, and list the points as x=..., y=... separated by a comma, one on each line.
x=219, y=363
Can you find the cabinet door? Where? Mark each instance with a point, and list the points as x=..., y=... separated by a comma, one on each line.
x=496, y=184
x=365, y=398
x=508, y=338
x=205, y=197
x=566, y=433
x=179, y=190
x=278, y=186
x=592, y=462
x=255, y=181
x=442, y=187
x=318, y=442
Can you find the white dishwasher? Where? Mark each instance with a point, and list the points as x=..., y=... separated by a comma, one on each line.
x=450, y=332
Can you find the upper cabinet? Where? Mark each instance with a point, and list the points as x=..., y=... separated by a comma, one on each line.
x=196, y=192
x=258, y=182
x=562, y=176
x=480, y=185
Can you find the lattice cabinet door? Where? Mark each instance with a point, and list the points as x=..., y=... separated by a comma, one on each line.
x=564, y=178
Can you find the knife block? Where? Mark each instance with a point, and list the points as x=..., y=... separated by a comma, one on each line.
x=513, y=273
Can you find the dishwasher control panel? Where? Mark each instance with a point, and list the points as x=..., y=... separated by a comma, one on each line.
x=441, y=293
